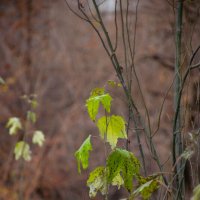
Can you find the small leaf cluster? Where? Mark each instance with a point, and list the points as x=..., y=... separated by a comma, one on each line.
x=112, y=127
x=15, y=126
x=122, y=167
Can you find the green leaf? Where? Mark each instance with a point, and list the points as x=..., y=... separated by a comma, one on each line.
x=147, y=187
x=92, y=105
x=112, y=128
x=31, y=116
x=114, y=84
x=196, y=193
x=118, y=181
x=34, y=103
x=38, y=138
x=22, y=149
x=14, y=124
x=97, y=181
x=98, y=96
x=2, y=82
x=82, y=154
x=106, y=101
x=124, y=162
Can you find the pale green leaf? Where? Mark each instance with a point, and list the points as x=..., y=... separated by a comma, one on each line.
x=98, y=96
x=147, y=187
x=106, y=101
x=14, y=125
x=34, y=104
x=31, y=116
x=112, y=128
x=118, y=181
x=22, y=150
x=92, y=105
x=2, y=82
x=97, y=182
x=82, y=154
x=125, y=163
x=38, y=138
x=196, y=193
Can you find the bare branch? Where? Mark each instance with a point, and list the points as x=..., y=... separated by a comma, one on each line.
x=74, y=12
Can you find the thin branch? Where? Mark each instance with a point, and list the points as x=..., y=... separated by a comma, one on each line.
x=116, y=28
x=74, y=12
x=177, y=147
x=194, y=54
x=123, y=39
x=98, y=33
x=161, y=108
x=92, y=14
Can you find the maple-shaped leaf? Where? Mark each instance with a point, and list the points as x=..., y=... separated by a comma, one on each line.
x=125, y=163
x=82, y=154
x=14, y=124
x=98, y=96
x=22, y=150
x=38, y=138
x=97, y=181
x=147, y=186
x=111, y=128
x=106, y=101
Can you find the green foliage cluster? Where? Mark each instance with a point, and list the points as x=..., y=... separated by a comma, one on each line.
x=122, y=168
x=14, y=124
x=125, y=163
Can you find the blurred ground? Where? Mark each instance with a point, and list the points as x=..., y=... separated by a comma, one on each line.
x=46, y=50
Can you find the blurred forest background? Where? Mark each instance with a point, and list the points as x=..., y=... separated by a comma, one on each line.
x=46, y=50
